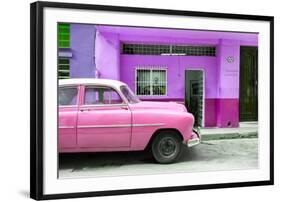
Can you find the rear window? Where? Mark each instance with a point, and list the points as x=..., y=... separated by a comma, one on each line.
x=67, y=96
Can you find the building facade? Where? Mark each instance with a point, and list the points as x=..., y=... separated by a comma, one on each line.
x=213, y=73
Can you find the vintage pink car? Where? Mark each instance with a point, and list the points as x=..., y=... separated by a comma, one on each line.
x=100, y=115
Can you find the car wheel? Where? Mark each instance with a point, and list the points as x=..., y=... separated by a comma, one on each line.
x=166, y=147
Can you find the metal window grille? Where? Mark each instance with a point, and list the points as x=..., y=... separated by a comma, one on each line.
x=184, y=50
x=143, y=49
x=63, y=68
x=194, y=50
x=151, y=81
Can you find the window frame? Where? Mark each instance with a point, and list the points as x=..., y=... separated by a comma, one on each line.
x=77, y=95
x=151, y=68
x=124, y=102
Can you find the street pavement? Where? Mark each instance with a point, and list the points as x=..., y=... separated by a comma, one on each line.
x=212, y=155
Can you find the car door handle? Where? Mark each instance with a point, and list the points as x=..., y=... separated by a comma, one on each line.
x=124, y=107
x=82, y=110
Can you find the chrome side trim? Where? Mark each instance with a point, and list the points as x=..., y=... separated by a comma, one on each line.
x=63, y=127
x=106, y=126
x=151, y=124
x=120, y=125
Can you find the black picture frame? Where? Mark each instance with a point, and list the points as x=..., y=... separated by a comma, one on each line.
x=36, y=98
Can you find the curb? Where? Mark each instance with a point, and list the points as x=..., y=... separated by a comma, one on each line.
x=222, y=136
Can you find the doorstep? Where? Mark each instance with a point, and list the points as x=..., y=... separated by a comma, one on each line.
x=245, y=130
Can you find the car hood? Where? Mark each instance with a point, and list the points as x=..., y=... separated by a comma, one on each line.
x=159, y=105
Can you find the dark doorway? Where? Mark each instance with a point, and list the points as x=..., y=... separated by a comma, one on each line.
x=248, y=83
x=194, y=95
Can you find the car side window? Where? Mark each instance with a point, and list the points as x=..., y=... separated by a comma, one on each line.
x=101, y=95
x=67, y=96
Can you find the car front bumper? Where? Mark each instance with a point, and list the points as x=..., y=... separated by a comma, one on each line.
x=194, y=140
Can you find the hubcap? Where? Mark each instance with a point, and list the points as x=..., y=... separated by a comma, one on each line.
x=167, y=146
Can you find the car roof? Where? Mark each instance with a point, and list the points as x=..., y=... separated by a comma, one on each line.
x=95, y=81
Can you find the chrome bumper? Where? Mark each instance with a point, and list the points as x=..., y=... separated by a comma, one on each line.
x=194, y=140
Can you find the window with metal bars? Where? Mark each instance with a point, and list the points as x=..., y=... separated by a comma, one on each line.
x=63, y=68
x=184, y=50
x=63, y=35
x=151, y=81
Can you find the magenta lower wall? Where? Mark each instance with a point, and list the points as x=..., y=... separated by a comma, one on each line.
x=227, y=112
x=222, y=112
x=210, y=112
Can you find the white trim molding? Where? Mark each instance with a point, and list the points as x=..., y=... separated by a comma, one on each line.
x=120, y=125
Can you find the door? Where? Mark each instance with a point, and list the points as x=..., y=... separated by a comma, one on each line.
x=67, y=116
x=248, y=83
x=194, y=95
x=104, y=120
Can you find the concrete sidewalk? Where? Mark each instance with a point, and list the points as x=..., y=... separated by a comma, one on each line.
x=245, y=130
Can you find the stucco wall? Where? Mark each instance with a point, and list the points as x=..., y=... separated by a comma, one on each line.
x=221, y=80
x=227, y=102
x=107, y=56
x=221, y=76
x=82, y=62
x=228, y=72
x=176, y=66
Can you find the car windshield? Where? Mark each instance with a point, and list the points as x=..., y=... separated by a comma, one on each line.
x=130, y=96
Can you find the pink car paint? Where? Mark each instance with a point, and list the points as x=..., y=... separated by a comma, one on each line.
x=117, y=127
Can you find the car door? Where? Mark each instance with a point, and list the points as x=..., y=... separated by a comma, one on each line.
x=104, y=120
x=68, y=106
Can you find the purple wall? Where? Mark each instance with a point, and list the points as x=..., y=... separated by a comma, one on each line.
x=176, y=66
x=82, y=62
x=156, y=35
x=227, y=103
x=107, y=56
x=228, y=72
x=221, y=76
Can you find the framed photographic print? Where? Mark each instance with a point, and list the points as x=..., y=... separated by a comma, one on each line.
x=131, y=100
